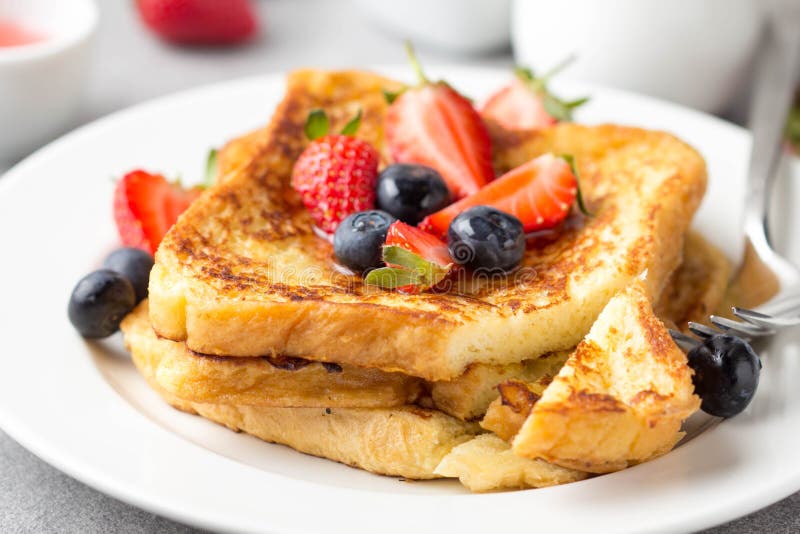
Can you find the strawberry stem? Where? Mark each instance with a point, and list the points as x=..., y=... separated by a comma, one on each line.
x=415, y=64
x=563, y=64
x=570, y=159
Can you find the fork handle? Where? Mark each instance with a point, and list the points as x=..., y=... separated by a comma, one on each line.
x=778, y=67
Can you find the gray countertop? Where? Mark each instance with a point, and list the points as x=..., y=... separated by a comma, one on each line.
x=129, y=67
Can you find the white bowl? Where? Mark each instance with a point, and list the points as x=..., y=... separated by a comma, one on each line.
x=694, y=52
x=463, y=26
x=41, y=84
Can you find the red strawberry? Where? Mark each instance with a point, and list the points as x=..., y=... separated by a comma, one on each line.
x=201, y=22
x=335, y=176
x=423, y=244
x=434, y=125
x=146, y=206
x=527, y=104
x=516, y=107
x=415, y=259
x=539, y=193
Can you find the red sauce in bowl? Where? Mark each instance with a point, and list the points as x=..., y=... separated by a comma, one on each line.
x=12, y=34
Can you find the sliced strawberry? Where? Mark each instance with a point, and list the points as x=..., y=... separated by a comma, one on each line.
x=432, y=124
x=516, y=107
x=146, y=206
x=423, y=244
x=527, y=103
x=539, y=193
x=416, y=260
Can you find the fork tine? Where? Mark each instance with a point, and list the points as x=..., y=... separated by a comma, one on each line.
x=686, y=343
x=738, y=327
x=702, y=330
x=762, y=319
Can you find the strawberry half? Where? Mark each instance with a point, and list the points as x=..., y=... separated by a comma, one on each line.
x=336, y=174
x=516, y=107
x=425, y=245
x=432, y=124
x=146, y=206
x=538, y=193
x=415, y=259
x=527, y=104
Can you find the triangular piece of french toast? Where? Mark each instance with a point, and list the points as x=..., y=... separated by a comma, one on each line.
x=620, y=398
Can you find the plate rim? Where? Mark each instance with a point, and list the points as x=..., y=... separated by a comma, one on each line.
x=125, y=490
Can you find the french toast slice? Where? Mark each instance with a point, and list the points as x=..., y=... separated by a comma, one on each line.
x=620, y=399
x=242, y=273
x=406, y=441
x=296, y=382
x=277, y=382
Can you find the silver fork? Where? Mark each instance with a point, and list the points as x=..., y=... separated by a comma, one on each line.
x=779, y=65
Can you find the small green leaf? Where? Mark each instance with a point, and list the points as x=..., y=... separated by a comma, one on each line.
x=317, y=124
x=570, y=159
x=392, y=278
x=572, y=104
x=429, y=272
x=352, y=127
x=556, y=108
x=391, y=96
x=212, y=166
x=524, y=73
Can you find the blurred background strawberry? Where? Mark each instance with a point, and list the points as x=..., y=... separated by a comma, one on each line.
x=200, y=22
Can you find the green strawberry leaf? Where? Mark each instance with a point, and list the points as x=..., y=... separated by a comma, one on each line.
x=212, y=166
x=391, y=96
x=556, y=108
x=352, y=127
x=317, y=124
x=560, y=110
x=392, y=278
x=524, y=73
x=406, y=269
x=570, y=159
x=427, y=270
x=572, y=104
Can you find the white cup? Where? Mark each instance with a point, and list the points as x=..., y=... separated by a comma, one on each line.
x=694, y=52
x=42, y=84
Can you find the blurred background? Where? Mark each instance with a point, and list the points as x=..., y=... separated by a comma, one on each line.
x=137, y=50
x=86, y=59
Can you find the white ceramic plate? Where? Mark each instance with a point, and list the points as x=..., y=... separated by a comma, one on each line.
x=82, y=407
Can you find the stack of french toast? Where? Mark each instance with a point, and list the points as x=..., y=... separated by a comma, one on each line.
x=528, y=381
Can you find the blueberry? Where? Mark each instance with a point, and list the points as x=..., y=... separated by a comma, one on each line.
x=726, y=374
x=99, y=302
x=411, y=192
x=358, y=239
x=486, y=238
x=135, y=265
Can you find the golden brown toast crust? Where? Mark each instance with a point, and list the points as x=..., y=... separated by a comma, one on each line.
x=287, y=382
x=620, y=398
x=243, y=274
x=406, y=441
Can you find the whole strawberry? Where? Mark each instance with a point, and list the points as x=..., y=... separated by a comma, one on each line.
x=336, y=174
x=200, y=22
